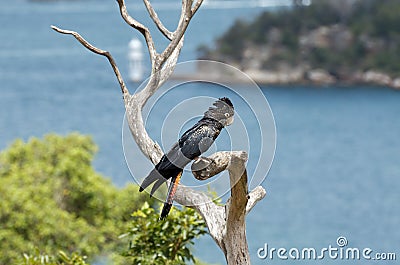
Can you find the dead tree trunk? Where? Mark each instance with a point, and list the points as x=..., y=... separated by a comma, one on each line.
x=226, y=224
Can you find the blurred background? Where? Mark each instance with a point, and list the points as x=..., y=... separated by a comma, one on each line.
x=329, y=70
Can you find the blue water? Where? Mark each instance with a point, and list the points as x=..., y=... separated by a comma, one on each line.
x=337, y=164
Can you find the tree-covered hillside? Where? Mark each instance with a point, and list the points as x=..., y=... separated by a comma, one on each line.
x=345, y=38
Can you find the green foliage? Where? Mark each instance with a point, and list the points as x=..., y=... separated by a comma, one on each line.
x=52, y=199
x=232, y=41
x=163, y=242
x=377, y=18
x=61, y=259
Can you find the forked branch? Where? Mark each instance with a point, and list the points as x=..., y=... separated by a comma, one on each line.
x=157, y=20
x=139, y=27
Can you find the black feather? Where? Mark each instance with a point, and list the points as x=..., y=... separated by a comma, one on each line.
x=227, y=101
x=152, y=177
x=192, y=144
x=165, y=210
x=157, y=185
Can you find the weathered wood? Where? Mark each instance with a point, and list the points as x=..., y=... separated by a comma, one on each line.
x=206, y=167
x=235, y=237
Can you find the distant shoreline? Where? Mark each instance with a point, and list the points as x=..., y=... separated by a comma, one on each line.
x=316, y=77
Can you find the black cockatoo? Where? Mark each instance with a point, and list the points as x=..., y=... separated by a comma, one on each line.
x=191, y=145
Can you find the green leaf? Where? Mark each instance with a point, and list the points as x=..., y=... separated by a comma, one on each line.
x=163, y=242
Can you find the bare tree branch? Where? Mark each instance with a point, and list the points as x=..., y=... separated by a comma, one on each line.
x=140, y=27
x=196, y=6
x=238, y=179
x=135, y=120
x=206, y=167
x=231, y=221
x=255, y=196
x=212, y=213
x=86, y=44
x=186, y=16
x=157, y=20
x=235, y=240
x=158, y=78
x=170, y=63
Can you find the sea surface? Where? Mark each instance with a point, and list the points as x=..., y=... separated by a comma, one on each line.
x=336, y=169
